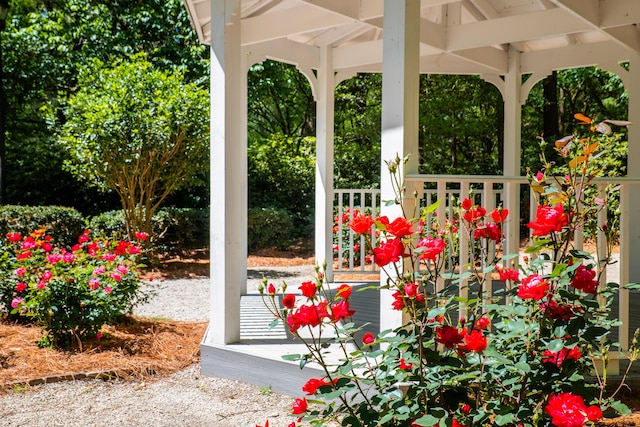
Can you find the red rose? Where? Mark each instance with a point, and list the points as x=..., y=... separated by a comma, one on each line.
x=448, y=336
x=549, y=219
x=398, y=301
x=14, y=237
x=400, y=227
x=474, y=342
x=411, y=290
x=474, y=214
x=594, y=413
x=308, y=289
x=299, y=406
x=482, y=322
x=554, y=310
x=488, y=231
x=533, y=287
x=368, y=338
x=429, y=248
x=404, y=366
x=361, y=224
x=341, y=310
x=311, y=386
x=557, y=358
x=271, y=289
x=584, y=280
x=456, y=423
x=289, y=300
x=499, y=215
x=389, y=251
x=567, y=410
x=344, y=291
x=508, y=274
x=466, y=204
x=141, y=235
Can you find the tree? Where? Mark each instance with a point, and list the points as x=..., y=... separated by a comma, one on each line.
x=139, y=131
x=44, y=46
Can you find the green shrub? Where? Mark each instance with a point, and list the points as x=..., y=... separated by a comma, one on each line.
x=63, y=223
x=269, y=227
x=174, y=229
x=71, y=294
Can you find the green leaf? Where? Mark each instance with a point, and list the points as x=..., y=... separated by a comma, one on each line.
x=504, y=419
x=621, y=408
x=432, y=207
x=291, y=357
x=427, y=420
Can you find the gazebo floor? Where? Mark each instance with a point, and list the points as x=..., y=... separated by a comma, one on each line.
x=257, y=358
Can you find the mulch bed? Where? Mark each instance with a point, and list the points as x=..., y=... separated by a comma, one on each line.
x=137, y=348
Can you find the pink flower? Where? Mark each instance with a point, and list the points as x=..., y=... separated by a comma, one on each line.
x=94, y=283
x=122, y=269
x=16, y=302
x=54, y=258
x=134, y=249
x=68, y=257
x=21, y=271
x=41, y=284
x=116, y=276
x=107, y=290
x=46, y=276
x=109, y=256
x=98, y=271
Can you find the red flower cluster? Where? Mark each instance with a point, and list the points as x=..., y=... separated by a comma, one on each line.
x=361, y=224
x=554, y=310
x=429, y=248
x=311, y=386
x=569, y=410
x=549, y=219
x=472, y=214
x=560, y=356
x=584, y=280
x=389, y=251
x=533, y=287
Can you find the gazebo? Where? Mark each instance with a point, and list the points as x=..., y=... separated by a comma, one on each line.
x=512, y=44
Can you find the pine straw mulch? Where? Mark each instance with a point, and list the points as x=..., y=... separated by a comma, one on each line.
x=134, y=349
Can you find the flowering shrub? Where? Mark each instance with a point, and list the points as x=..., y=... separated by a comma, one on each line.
x=71, y=293
x=494, y=341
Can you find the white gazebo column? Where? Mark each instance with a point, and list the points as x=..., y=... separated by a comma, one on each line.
x=400, y=92
x=228, y=174
x=324, y=162
x=512, y=149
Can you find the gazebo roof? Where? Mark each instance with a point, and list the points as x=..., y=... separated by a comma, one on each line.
x=456, y=36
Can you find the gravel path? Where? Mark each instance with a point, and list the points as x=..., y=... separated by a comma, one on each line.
x=185, y=398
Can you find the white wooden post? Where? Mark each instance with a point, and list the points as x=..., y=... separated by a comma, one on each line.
x=512, y=148
x=228, y=174
x=400, y=91
x=324, y=162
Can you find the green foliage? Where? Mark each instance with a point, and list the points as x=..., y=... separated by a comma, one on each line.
x=282, y=175
x=269, y=227
x=65, y=223
x=174, y=229
x=139, y=131
x=70, y=294
x=44, y=46
x=460, y=125
x=491, y=339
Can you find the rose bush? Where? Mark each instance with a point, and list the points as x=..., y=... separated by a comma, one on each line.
x=499, y=340
x=70, y=292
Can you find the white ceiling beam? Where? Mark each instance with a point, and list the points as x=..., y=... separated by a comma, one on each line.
x=350, y=8
x=335, y=36
x=489, y=57
x=619, y=13
x=575, y=56
x=352, y=55
x=287, y=22
x=531, y=26
x=286, y=51
x=432, y=34
x=259, y=7
x=485, y=8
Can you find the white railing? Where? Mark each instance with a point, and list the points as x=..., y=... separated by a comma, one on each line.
x=490, y=192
